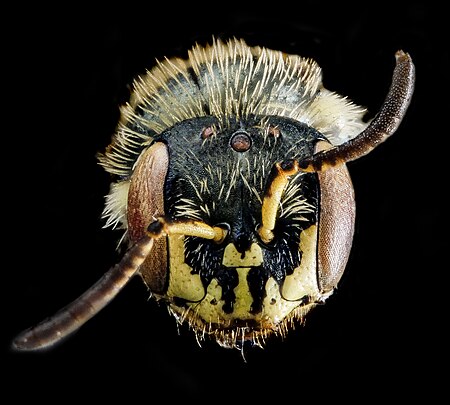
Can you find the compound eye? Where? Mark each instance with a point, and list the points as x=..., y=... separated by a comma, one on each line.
x=241, y=141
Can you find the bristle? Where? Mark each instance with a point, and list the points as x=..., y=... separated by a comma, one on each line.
x=227, y=80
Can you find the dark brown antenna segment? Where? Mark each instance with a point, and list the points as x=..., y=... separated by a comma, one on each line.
x=382, y=126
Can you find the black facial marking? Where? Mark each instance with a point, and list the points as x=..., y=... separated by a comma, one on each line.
x=257, y=278
x=242, y=243
x=243, y=223
x=205, y=259
x=228, y=279
x=287, y=165
x=282, y=260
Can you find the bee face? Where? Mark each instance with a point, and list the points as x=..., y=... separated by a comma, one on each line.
x=230, y=183
x=245, y=287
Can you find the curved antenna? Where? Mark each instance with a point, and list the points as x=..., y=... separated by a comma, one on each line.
x=381, y=127
x=71, y=317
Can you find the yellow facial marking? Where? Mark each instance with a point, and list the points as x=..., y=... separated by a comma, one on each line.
x=232, y=258
x=275, y=307
x=303, y=281
x=244, y=300
x=182, y=283
x=209, y=307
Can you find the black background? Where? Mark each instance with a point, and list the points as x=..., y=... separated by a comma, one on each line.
x=380, y=336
